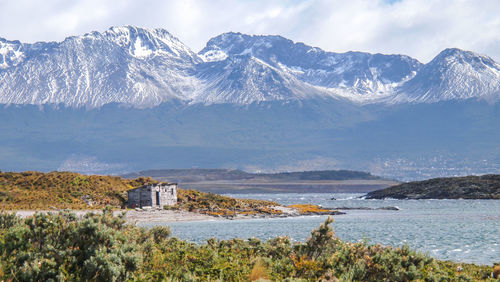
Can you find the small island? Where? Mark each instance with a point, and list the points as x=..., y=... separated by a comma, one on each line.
x=467, y=187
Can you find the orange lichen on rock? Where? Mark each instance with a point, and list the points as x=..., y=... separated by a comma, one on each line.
x=308, y=209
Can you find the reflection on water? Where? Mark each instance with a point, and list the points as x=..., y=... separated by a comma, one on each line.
x=459, y=230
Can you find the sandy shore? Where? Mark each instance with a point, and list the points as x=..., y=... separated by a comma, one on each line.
x=145, y=216
x=135, y=217
x=153, y=215
x=141, y=216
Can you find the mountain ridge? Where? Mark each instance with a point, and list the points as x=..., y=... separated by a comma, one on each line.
x=147, y=67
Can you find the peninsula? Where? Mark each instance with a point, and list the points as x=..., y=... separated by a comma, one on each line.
x=30, y=191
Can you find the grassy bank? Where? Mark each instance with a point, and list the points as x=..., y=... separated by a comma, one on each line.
x=102, y=247
x=33, y=190
x=67, y=190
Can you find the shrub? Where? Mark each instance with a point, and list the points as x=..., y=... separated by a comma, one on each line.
x=496, y=272
x=102, y=247
x=168, y=207
x=59, y=246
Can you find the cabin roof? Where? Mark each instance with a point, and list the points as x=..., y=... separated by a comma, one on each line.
x=148, y=185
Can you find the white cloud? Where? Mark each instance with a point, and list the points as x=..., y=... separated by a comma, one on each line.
x=417, y=28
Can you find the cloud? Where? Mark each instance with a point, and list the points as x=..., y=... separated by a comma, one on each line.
x=417, y=28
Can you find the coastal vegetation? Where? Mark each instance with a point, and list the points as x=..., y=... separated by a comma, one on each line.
x=307, y=208
x=102, y=247
x=67, y=190
x=218, y=205
x=467, y=187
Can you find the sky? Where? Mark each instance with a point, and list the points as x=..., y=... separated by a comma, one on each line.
x=418, y=28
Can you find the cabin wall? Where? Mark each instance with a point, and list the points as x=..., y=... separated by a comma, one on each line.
x=147, y=196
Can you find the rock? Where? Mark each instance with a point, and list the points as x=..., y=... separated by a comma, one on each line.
x=87, y=199
x=336, y=212
x=468, y=187
x=354, y=208
x=394, y=208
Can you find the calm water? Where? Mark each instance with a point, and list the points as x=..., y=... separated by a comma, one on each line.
x=458, y=230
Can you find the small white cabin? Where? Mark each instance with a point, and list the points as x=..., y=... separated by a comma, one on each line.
x=153, y=195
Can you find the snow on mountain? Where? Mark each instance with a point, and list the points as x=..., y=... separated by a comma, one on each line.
x=244, y=79
x=122, y=65
x=11, y=53
x=454, y=74
x=147, y=67
x=353, y=72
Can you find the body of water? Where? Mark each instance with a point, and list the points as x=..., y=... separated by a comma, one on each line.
x=458, y=230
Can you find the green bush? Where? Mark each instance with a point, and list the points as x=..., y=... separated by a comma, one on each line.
x=101, y=247
x=61, y=247
x=171, y=208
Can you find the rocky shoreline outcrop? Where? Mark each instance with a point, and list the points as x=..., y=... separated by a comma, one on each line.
x=468, y=187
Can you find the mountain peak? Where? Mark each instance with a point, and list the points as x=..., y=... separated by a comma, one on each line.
x=235, y=43
x=142, y=42
x=455, y=74
x=456, y=55
x=452, y=52
x=11, y=53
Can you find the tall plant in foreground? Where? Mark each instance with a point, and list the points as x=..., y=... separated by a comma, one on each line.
x=61, y=247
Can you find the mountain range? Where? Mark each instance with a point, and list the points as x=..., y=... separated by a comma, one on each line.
x=147, y=67
x=135, y=98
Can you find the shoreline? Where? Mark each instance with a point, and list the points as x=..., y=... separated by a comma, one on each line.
x=132, y=216
x=167, y=216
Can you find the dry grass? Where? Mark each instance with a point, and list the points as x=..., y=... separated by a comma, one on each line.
x=496, y=271
x=63, y=190
x=217, y=205
x=259, y=271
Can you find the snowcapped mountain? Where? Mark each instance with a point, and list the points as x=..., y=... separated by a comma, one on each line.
x=244, y=79
x=122, y=65
x=146, y=67
x=454, y=75
x=353, y=72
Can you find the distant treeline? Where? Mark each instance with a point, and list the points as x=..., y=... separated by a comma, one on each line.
x=198, y=174
x=322, y=175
